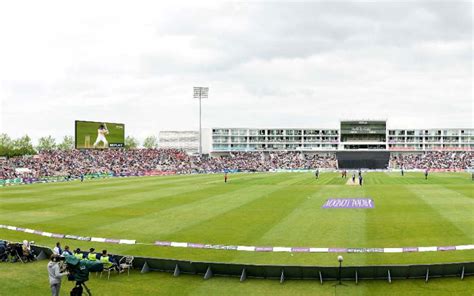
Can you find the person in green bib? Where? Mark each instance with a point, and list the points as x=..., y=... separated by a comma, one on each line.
x=105, y=259
x=109, y=262
x=78, y=254
x=92, y=256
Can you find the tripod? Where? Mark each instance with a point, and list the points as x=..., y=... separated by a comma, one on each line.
x=87, y=289
x=79, y=284
x=340, y=276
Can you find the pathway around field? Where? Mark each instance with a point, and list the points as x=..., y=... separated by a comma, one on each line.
x=246, y=248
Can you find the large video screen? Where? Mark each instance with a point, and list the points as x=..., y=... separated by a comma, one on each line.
x=99, y=135
x=363, y=127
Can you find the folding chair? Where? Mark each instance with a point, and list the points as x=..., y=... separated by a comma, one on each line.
x=126, y=263
x=108, y=270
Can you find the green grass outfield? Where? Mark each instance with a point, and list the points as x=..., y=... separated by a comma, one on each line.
x=272, y=209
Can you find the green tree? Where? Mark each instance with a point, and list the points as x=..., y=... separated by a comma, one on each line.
x=22, y=146
x=150, y=142
x=46, y=143
x=17, y=147
x=6, y=145
x=67, y=143
x=131, y=142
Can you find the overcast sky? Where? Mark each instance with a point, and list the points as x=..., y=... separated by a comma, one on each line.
x=266, y=64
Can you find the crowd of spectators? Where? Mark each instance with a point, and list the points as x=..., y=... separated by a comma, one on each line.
x=432, y=160
x=260, y=162
x=136, y=161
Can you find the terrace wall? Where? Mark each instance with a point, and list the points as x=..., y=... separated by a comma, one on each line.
x=283, y=272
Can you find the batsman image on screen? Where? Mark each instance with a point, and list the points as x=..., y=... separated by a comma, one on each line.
x=99, y=135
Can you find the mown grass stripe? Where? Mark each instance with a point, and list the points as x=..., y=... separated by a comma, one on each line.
x=254, y=214
x=454, y=208
x=76, y=207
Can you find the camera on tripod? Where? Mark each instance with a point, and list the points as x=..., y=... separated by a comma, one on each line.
x=79, y=272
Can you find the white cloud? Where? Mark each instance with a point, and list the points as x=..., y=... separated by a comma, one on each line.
x=267, y=64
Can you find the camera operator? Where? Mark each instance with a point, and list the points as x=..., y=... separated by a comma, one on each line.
x=55, y=274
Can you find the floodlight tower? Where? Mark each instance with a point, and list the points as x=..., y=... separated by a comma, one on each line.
x=200, y=93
